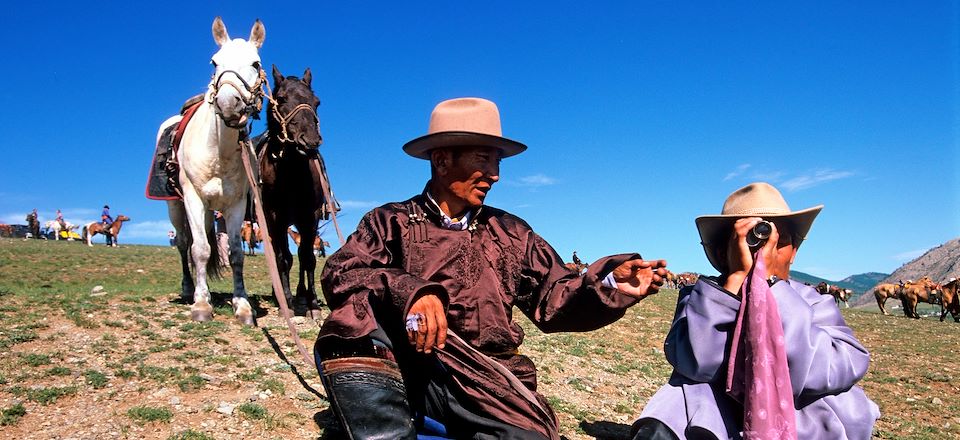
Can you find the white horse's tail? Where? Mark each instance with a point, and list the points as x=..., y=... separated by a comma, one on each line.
x=83, y=233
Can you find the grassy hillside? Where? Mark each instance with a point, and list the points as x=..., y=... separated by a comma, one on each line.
x=130, y=363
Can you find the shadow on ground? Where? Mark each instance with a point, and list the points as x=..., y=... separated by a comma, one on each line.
x=603, y=430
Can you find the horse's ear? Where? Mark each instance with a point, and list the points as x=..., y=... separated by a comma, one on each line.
x=220, y=32
x=277, y=76
x=257, y=34
x=307, y=77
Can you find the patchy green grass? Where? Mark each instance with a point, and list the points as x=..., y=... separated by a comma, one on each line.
x=10, y=416
x=36, y=360
x=252, y=411
x=44, y=396
x=147, y=414
x=143, y=341
x=95, y=379
x=190, y=435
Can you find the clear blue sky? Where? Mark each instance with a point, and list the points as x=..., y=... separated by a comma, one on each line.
x=639, y=116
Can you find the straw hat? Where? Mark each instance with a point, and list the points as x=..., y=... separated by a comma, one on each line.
x=463, y=122
x=758, y=199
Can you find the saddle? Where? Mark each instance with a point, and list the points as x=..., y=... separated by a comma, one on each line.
x=163, y=181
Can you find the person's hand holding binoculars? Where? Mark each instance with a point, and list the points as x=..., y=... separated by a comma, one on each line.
x=750, y=234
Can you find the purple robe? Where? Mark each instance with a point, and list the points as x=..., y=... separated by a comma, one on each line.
x=825, y=359
x=482, y=273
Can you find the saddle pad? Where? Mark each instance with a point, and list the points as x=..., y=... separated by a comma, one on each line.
x=158, y=179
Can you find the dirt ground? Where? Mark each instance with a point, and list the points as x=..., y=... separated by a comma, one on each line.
x=125, y=361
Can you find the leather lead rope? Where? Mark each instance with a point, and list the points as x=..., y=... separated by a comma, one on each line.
x=331, y=204
x=246, y=153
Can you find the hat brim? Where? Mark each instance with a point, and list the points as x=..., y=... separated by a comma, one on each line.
x=421, y=146
x=715, y=230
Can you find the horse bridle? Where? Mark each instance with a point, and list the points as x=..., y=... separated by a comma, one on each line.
x=285, y=120
x=252, y=100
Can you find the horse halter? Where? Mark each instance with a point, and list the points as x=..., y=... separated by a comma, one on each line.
x=284, y=120
x=252, y=100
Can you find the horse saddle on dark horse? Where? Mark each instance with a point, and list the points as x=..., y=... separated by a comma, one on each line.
x=163, y=181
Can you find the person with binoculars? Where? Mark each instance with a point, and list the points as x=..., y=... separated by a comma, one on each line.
x=755, y=354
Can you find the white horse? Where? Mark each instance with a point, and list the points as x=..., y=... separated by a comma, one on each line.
x=211, y=169
x=54, y=226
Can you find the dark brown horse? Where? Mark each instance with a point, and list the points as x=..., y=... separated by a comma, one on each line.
x=295, y=189
x=950, y=302
x=111, y=232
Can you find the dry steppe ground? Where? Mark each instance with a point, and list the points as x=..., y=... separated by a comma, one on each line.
x=127, y=362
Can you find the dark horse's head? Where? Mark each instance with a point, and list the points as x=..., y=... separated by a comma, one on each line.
x=292, y=117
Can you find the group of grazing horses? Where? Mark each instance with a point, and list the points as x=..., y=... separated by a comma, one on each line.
x=212, y=176
x=923, y=290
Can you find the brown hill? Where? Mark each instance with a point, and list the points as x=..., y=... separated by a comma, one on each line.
x=940, y=264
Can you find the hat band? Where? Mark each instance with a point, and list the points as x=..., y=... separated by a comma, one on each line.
x=762, y=211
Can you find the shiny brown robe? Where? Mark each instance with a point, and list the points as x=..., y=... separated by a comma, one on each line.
x=499, y=263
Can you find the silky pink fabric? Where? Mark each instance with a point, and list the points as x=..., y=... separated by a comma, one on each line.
x=757, y=371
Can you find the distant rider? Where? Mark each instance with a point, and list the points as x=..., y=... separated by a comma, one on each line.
x=105, y=217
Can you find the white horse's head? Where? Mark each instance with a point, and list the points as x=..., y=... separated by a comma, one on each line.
x=235, y=90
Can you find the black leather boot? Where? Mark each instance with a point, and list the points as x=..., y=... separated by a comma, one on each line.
x=368, y=396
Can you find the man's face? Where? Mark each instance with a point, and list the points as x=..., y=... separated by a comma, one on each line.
x=471, y=173
x=778, y=262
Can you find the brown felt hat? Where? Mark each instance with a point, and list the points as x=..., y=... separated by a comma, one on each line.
x=463, y=122
x=758, y=199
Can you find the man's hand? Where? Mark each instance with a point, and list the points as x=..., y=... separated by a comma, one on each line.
x=639, y=278
x=739, y=256
x=430, y=328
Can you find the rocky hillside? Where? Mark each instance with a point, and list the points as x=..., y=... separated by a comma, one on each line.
x=859, y=283
x=940, y=264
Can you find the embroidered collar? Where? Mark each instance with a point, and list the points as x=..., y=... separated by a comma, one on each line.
x=466, y=223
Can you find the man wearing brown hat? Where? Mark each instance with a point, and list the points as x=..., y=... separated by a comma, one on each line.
x=818, y=352
x=421, y=334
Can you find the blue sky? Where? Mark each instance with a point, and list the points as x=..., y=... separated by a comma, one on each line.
x=639, y=116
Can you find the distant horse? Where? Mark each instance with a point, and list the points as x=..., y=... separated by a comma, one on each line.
x=883, y=292
x=578, y=268
x=686, y=279
x=33, y=225
x=294, y=181
x=55, y=227
x=950, y=302
x=319, y=244
x=251, y=236
x=211, y=171
x=839, y=294
x=111, y=232
x=913, y=293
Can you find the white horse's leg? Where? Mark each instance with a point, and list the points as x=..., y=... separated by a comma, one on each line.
x=196, y=218
x=234, y=220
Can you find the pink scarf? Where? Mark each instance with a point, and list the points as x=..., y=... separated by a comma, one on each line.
x=757, y=373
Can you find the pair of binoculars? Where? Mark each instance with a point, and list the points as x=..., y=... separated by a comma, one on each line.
x=759, y=234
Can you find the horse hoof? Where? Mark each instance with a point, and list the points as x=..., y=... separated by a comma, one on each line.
x=201, y=312
x=201, y=316
x=245, y=319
